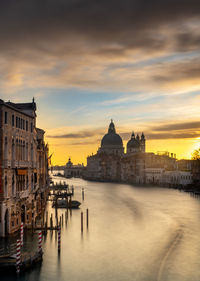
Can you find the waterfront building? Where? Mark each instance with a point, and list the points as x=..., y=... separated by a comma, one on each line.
x=195, y=170
x=110, y=163
x=154, y=175
x=42, y=172
x=71, y=170
x=23, y=166
x=133, y=167
x=176, y=178
x=184, y=165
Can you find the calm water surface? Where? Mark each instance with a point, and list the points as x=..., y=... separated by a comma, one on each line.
x=135, y=233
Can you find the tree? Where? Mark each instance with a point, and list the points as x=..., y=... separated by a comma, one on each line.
x=196, y=154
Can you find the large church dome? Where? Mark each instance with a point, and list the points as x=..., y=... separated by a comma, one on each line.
x=111, y=138
x=111, y=143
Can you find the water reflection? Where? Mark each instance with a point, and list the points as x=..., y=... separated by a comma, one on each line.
x=135, y=233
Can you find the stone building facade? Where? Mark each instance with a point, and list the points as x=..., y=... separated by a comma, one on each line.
x=110, y=163
x=71, y=170
x=19, y=171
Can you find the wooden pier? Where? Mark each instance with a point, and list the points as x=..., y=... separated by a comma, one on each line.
x=28, y=260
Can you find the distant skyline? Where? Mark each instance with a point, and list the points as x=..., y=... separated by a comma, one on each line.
x=86, y=62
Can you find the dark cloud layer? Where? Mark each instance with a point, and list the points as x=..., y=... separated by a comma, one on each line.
x=178, y=126
x=182, y=130
x=165, y=136
x=74, y=43
x=122, y=25
x=81, y=135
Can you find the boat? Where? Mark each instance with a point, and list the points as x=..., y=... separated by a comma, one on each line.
x=62, y=203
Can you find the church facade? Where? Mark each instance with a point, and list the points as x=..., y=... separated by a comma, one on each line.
x=112, y=163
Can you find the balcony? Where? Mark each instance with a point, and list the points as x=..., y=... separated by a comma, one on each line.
x=22, y=194
x=20, y=164
x=23, y=164
x=35, y=188
x=6, y=163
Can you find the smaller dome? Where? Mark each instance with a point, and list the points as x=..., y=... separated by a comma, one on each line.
x=133, y=142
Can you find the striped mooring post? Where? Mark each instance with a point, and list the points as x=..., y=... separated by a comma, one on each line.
x=22, y=234
x=59, y=238
x=40, y=241
x=18, y=256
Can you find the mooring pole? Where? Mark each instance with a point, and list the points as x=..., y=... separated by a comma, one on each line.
x=22, y=234
x=18, y=256
x=40, y=241
x=66, y=216
x=59, y=238
x=82, y=222
x=51, y=221
x=83, y=194
x=87, y=217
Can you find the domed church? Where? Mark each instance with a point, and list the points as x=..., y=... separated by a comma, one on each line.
x=111, y=143
x=110, y=163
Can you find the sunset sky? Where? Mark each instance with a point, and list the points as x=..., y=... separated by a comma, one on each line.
x=88, y=61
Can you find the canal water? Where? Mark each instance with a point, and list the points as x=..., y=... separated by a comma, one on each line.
x=135, y=234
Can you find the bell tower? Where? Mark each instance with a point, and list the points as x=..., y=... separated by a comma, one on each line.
x=143, y=143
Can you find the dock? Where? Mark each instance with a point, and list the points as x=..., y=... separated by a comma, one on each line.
x=28, y=260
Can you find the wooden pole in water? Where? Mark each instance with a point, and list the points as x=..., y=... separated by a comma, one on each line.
x=62, y=219
x=66, y=216
x=59, y=238
x=82, y=222
x=87, y=216
x=83, y=194
x=51, y=221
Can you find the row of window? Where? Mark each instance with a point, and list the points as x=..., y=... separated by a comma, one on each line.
x=17, y=221
x=18, y=122
x=20, y=150
x=20, y=183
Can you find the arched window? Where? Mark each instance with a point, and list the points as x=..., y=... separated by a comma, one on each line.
x=16, y=149
x=6, y=148
x=27, y=182
x=26, y=151
x=6, y=187
x=31, y=152
x=23, y=150
x=20, y=149
x=32, y=183
x=13, y=149
x=13, y=185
